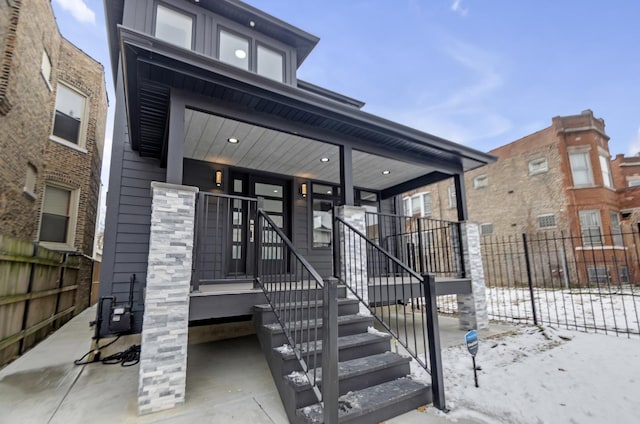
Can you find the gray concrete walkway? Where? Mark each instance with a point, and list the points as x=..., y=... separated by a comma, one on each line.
x=227, y=382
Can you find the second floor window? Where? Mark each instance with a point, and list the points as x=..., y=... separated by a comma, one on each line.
x=70, y=106
x=234, y=50
x=270, y=63
x=480, y=181
x=452, y=196
x=174, y=27
x=606, y=171
x=581, y=169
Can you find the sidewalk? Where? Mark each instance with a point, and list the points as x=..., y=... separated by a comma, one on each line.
x=227, y=382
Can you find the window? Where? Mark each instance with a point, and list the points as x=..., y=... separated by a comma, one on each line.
x=233, y=49
x=174, y=27
x=418, y=205
x=591, y=228
x=538, y=166
x=486, y=229
x=452, y=196
x=606, y=171
x=616, y=232
x=30, y=180
x=56, y=225
x=324, y=197
x=45, y=68
x=546, y=221
x=623, y=274
x=598, y=274
x=270, y=63
x=480, y=181
x=633, y=181
x=70, y=107
x=581, y=169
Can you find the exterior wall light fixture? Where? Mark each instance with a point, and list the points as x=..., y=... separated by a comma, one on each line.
x=303, y=189
x=218, y=178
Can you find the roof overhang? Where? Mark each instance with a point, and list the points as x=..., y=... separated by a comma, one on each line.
x=153, y=69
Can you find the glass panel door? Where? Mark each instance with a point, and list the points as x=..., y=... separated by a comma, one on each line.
x=274, y=194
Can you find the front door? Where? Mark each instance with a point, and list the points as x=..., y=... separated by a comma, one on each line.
x=243, y=220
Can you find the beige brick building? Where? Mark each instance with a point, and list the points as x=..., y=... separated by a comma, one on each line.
x=53, y=107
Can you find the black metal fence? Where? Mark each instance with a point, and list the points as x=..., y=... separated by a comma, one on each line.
x=305, y=307
x=587, y=282
x=381, y=281
x=428, y=246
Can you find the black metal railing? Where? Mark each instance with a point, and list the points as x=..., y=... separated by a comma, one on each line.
x=381, y=282
x=305, y=307
x=564, y=280
x=224, y=249
x=428, y=246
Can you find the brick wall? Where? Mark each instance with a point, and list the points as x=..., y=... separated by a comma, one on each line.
x=26, y=125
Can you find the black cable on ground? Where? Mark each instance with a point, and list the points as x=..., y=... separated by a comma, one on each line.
x=96, y=358
x=126, y=358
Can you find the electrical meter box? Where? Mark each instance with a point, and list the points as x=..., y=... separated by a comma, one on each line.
x=120, y=320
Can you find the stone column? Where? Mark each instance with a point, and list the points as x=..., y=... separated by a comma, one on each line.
x=472, y=308
x=353, y=254
x=163, y=357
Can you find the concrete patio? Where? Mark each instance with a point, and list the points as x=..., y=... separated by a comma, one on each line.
x=227, y=382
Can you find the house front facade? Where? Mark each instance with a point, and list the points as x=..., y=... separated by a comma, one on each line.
x=211, y=126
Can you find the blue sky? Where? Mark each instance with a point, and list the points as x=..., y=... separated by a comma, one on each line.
x=479, y=72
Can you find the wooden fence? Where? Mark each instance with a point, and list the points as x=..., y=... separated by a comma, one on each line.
x=37, y=294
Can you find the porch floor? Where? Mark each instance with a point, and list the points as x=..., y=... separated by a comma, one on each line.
x=227, y=382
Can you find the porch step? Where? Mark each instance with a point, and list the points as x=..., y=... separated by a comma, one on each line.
x=347, y=325
x=349, y=347
x=302, y=310
x=353, y=375
x=373, y=404
x=302, y=294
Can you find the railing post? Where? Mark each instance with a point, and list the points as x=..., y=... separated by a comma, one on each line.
x=421, y=268
x=529, y=280
x=196, y=264
x=330, y=351
x=462, y=271
x=257, y=243
x=433, y=335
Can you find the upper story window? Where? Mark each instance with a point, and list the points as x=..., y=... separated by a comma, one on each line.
x=633, y=181
x=30, y=181
x=452, y=196
x=606, y=171
x=234, y=50
x=45, y=68
x=538, y=166
x=581, y=168
x=69, y=116
x=418, y=205
x=270, y=63
x=481, y=181
x=174, y=27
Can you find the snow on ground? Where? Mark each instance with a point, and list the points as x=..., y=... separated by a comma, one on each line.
x=542, y=375
x=591, y=309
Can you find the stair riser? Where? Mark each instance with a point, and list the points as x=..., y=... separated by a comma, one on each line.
x=287, y=366
x=345, y=329
x=306, y=397
x=420, y=399
x=268, y=317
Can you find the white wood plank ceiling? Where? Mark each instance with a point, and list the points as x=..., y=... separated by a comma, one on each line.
x=274, y=151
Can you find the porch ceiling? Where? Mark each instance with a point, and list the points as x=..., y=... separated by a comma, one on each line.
x=287, y=154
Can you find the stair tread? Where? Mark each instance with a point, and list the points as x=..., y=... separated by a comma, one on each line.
x=342, y=319
x=351, y=368
x=307, y=303
x=343, y=342
x=367, y=400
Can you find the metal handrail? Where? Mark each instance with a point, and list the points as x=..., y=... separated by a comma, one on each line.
x=427, y=291
x=302, y=335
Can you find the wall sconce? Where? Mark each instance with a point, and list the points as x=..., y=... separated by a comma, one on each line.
x=303, y=189
x=218, y=178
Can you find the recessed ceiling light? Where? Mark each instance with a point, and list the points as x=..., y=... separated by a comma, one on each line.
x=252, y=24
x=233, y=140
x=386, y=172
x=324, y=159
x=240, y=54
x=275, y=191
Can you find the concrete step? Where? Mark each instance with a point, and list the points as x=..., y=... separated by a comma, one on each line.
x=272, y=335
x=301, y=310
x=355, y=374
x=373, y=404
x=349, y=347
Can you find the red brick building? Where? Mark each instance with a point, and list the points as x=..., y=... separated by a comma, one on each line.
x=53, y=107
x=559, y=181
